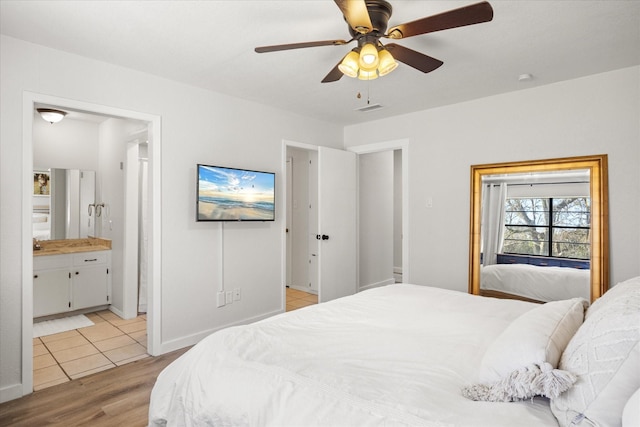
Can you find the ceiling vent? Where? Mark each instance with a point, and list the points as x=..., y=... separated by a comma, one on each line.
x=369, y=107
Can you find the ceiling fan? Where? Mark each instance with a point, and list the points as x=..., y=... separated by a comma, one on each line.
x=367, y=20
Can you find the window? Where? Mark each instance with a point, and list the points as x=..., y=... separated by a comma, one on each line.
x=553, y=227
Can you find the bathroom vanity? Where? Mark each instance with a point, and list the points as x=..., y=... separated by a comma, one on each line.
x=70, y=275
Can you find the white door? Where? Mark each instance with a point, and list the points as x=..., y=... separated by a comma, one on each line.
x=336, y=223
x=314, y=244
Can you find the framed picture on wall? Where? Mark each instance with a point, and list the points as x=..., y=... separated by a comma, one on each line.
x=41, y=183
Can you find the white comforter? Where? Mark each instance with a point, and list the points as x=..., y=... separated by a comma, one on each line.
x=537, y=282
x=396, y=355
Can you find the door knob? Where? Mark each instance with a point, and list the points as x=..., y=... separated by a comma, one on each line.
x=323, y=237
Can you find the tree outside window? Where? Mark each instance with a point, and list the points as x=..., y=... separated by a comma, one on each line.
x=553, y=227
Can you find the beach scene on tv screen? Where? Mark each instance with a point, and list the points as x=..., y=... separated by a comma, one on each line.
x=235, y=195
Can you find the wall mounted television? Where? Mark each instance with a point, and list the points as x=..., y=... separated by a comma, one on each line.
x=230, y=194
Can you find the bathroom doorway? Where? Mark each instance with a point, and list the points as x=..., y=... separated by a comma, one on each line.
x=133, y=330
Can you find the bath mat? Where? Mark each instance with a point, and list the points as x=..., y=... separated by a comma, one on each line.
x=55, y=326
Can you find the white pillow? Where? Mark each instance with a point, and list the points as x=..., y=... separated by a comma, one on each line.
x=631, y=412
x=537, y=336
x=605, y=356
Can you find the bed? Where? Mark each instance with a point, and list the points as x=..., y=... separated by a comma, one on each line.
x=395, y=355
x=538, y=283
x=41, y=223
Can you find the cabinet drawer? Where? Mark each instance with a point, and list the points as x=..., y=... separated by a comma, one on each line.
x=90, y=258
x=46, y=262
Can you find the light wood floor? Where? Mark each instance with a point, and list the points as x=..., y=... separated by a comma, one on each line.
x=297, y=299
x=117, y=397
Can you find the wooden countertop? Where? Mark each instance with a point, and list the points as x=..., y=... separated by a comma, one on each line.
x=70, y=246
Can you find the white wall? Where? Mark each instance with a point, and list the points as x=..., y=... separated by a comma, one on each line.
x=113, y=134
x=375, y=219
x=69, y=144
x=592, y=115
x=197, y=126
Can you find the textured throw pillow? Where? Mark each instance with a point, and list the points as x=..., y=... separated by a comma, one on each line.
x=527, y=382
x=613, y=292
x=605, y=356
x=537, y=336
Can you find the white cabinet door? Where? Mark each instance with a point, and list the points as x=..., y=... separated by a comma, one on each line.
x=89, y=279
x=51, y=292
x=89, y=286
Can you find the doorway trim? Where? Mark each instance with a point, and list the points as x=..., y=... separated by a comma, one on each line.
x=403, y=146
x=399, y=144
x=154, y=271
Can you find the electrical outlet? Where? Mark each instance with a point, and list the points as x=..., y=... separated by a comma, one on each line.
x=229, y=299
x=236, y=294
x=221, y=299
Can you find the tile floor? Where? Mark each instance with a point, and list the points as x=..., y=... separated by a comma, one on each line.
x=110, y=342
x=298, y=299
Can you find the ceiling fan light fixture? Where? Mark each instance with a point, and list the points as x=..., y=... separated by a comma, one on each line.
x=349, y=64
x=51, y=115
x=369, y=57
x=368, y=75
x=387, y=63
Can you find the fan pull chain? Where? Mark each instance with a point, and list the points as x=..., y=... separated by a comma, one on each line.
x=359, y=95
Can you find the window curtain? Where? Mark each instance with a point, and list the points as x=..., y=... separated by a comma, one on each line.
x=493, y=200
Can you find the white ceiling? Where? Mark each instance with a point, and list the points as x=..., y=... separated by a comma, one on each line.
x=210, y=44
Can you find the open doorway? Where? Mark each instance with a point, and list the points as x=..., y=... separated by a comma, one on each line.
x=301, y=220
x=383, y=221
x=323, y=235
x=380, y=218
x=123, y=297
x=302, y=215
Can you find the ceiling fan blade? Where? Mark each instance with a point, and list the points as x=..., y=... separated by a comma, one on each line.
x=356, y=14
x=414, y=59
x=467, y=15
x=275, y=48
x=334, y=75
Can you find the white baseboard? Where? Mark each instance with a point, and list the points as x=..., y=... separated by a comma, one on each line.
x=385, y=282
x=192, y=339
x=117, y=312
x=10, y=392
x=303, y=289
x=397, y=274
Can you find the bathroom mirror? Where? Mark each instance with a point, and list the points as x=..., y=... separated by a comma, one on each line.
x=546, y=236
x=69, y=210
